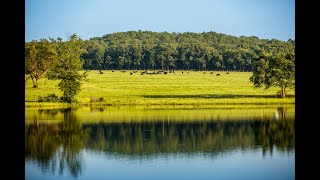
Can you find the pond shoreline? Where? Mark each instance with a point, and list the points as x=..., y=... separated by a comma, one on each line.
x=103, y=104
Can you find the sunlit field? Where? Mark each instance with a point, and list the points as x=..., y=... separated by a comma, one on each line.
x=179, y=88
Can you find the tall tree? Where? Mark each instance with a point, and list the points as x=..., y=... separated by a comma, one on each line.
x=274, y=70
x=67, y=69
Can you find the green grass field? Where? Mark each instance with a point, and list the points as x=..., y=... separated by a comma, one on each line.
x=189, y=88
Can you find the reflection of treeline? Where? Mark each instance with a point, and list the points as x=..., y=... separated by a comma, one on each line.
x=278, y=133
x=150, y=138
x=54, y=111
x=58, y=145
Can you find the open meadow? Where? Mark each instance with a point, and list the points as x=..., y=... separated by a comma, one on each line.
x=179, y=88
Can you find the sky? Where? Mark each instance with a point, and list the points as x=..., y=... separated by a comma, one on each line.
x=266, y=19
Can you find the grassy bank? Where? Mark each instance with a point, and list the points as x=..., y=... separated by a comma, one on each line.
x=187, y=88
x=125, y=114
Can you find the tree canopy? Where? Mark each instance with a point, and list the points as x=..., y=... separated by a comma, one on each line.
x=40, y=56
x=274, y=70
x=68, y=66
x=185, y=51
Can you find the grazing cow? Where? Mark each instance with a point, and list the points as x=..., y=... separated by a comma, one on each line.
x=112, y=70
x=142, y=73
x=204, y=72
x=130, y=73
x=218, y=75
x=100, y=72
x=211, y=72
x=227, y=73
x=182, y=72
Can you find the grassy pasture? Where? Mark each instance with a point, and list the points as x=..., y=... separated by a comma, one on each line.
x=187, y=88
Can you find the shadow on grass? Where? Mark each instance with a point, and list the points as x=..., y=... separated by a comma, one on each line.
x=214, y=96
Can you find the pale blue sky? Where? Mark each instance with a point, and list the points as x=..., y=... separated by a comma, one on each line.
x=265, y=19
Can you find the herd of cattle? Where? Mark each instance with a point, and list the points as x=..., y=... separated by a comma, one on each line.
x=155, y=72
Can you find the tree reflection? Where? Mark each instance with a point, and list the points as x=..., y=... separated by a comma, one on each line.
x=213, y=137
x=58, y=146
x=41, y=143
x=49, y=144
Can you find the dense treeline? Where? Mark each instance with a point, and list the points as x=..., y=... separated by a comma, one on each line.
x=146, y=50
x=187, y=51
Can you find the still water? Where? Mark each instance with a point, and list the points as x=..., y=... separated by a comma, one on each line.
x=241, y=142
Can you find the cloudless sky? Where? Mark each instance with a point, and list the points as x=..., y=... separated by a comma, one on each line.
x=266, y=19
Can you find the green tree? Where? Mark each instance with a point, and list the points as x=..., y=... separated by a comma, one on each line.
x=68, y=66
x=274, y=70
x=192, y=51
x=94, y=55
x=39, y=58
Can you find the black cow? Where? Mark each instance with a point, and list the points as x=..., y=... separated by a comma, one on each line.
x=227, y=73
x=218, y=75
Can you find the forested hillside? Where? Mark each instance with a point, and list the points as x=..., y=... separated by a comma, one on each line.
x=187, y=51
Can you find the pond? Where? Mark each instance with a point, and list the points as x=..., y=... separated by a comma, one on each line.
x=160, y=142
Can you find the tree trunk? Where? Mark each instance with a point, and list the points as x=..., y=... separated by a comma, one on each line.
x=34, y=81
x=36, y=85
x=283, y=92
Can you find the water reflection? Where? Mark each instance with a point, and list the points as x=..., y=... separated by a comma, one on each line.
x=58, y=144
x=163, y=113
x=57, y=147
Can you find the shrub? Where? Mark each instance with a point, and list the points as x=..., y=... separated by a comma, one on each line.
x=95, y=99
x=48, y=98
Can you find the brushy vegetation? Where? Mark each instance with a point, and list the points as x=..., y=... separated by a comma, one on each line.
x=187, y=88
x=49, y=98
